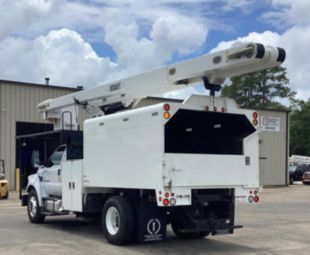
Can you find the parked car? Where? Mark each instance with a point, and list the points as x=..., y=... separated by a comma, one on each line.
x=299, y=172
x=306, y=178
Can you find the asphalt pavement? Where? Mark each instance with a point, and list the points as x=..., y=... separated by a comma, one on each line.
x=280, y=224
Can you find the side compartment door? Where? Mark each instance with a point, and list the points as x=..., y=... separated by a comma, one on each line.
x=66, y=185
x=76, y=185
x=72, y=185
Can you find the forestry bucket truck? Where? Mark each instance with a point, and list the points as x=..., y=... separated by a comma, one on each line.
x=142, y=168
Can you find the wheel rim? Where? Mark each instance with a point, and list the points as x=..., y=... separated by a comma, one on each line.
x=32, y=206
x=112, y=220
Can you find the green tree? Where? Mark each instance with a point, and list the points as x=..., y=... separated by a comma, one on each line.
x=260, y=89
x=300, y=129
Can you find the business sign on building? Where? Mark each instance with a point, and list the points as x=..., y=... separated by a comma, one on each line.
x=270, y=124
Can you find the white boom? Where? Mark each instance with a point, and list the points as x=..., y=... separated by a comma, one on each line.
x=212, y=69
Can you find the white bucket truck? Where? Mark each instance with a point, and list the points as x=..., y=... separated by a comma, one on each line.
x=143, y=168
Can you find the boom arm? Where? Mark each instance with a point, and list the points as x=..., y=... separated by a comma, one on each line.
x=213, y=69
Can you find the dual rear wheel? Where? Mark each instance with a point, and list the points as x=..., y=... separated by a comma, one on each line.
x=118, y=221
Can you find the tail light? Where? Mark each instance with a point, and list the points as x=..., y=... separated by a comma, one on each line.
x=166, y=107
x=256, y=199
x=255, y=118
x=167, y=113
x=165, y=202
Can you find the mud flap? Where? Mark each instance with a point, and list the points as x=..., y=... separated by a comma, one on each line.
x=152, y=222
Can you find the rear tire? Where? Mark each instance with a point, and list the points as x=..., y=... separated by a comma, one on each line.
x=118, y=220
x=33, y=208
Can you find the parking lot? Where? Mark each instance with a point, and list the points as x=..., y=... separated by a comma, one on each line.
x=279, y=225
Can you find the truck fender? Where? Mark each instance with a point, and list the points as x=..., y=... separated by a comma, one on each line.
x=34, y=183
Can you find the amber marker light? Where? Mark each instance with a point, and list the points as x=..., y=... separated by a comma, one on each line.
x=166, y=115
x=255, y=122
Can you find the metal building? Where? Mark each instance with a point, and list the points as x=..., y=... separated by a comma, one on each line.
x=19, y=115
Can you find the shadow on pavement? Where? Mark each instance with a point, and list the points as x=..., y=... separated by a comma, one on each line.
x=92, y=230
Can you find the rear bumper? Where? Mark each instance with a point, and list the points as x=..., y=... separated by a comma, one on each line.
x=306, y=180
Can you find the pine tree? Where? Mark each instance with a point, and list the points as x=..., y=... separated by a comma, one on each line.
x=260, y=89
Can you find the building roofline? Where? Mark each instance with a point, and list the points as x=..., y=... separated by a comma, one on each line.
x=41, y=85
x=266, y=109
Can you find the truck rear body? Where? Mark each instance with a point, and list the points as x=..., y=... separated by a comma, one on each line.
x=191, y=149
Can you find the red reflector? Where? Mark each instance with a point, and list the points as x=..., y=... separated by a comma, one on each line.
x=255, y=115
x=166, y=194
x=255, y=192
x=256, y=199
x=165, y=202
x=172, y=194
x=159, y=199
x=166, y=107
x=215, y=108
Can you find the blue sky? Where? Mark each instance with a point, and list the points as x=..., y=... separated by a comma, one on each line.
x=84, y=42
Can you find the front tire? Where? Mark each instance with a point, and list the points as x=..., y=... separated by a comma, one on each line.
x=33, y=208
x=118, y=220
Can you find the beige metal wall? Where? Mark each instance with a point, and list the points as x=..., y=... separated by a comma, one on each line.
x=273, y=151
x=18, y=102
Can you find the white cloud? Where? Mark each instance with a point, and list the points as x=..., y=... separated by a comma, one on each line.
x=266, y=37
x=13, y=16
x=68, y=59
x=177, y=34
x=62, y=55
x=289, y=12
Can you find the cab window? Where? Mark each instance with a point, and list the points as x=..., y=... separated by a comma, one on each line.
x=56, y=157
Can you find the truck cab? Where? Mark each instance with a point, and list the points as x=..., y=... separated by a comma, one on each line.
x=50, y=172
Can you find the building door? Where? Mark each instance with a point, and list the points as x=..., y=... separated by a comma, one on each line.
x=27, y=153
